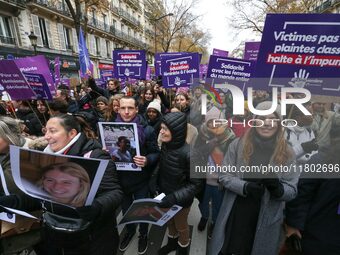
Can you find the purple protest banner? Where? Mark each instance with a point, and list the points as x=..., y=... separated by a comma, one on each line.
x=251, y=50
x=39, y=85
x=229, y=70
x=106, y=74
x=203, y=71
x=14, y=81
x=180, y=71
x=158, y=59
x=129, y=64
x=57, y=71
x=39, y=65
x=220, y=53
x=302, y=51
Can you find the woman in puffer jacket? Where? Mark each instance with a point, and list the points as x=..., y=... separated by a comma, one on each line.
x=174, y=180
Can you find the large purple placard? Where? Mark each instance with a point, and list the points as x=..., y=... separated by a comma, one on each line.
x=180, y=71
x=129, y=64
x=38, y=65
x=14, y=82
x=251, y=50
x=229, y=70
x=300, y=50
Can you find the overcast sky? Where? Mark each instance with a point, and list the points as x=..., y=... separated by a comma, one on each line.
x=215, y=18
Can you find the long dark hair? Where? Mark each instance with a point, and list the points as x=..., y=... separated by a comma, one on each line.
x=77, y=122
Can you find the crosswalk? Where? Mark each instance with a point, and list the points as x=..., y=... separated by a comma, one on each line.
x=158, y=236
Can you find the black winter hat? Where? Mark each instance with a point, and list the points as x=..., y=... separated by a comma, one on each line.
x=177, y=124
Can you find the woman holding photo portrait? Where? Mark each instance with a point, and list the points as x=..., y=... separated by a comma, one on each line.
x=67, y=134
x=67, y=183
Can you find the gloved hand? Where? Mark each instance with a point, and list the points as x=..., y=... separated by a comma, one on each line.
x=254, y=189
x=310, y=146
x=274, y=186
x=89, y=212
x=168, y=201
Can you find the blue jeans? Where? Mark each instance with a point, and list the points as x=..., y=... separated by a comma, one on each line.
x=127, y=201
x=216, y=196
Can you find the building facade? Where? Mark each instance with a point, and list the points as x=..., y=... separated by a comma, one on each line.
x=122, y=24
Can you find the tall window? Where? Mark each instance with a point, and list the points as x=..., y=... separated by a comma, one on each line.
x=43, y=32
x=5, y=31
x=108, y=50
x=104, y=21
x=68, y=40
x=97, y=45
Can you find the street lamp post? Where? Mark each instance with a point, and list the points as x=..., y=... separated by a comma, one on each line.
x=155, y=23
x=33, y=38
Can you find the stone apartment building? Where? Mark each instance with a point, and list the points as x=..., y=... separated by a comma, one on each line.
x=124, y=24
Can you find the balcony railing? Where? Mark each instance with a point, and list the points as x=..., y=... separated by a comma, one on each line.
x=7, y=40
x=326, y=6
x=99, y=24
x=15, y=2
x=127, y=16
x=60, y=7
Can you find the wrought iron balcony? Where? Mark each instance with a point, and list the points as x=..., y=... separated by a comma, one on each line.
x=60, y=7
x=7, y=40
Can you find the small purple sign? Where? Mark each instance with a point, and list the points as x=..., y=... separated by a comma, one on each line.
x=106, y=74
x=229, y=70
x=301, y=51
x=129, y=64
x=180, y=71
x=220, y=53
x=203, y=71
x=65, y=81
x=100, y=83
x=158, y=59
x=39, y=85
x=39, y=65
x=251, y=50
x=14, y=81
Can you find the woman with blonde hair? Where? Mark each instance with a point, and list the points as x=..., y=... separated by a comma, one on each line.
x=66, y=183
x=251, y=214
x=111, y=112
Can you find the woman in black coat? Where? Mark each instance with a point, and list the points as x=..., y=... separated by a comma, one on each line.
x=174, y=180
x=65, y=135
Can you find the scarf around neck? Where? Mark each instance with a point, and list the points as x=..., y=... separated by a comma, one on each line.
x=49, y=150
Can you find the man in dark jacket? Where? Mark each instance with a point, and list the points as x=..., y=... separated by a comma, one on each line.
x=135, y=184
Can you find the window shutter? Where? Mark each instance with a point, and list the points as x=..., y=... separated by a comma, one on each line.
x=36, y=29
x=103, y=47
x=75, y=40
x=62, y=42
x=49, y=34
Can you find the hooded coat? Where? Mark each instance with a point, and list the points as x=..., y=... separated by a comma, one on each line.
x=174, y=166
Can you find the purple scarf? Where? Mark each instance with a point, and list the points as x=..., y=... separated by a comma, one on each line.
x=140, y=128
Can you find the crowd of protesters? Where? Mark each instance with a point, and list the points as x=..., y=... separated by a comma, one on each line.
x=252, y=213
